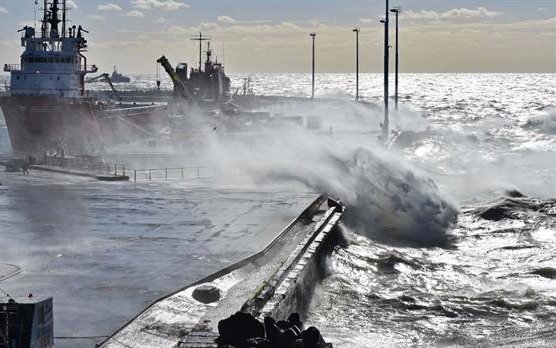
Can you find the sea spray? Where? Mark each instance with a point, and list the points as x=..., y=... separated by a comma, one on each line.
x=386, y=197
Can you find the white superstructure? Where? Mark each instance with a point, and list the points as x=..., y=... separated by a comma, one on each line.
x=53, y=63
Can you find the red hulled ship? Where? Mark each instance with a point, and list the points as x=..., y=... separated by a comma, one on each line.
x=47, y=108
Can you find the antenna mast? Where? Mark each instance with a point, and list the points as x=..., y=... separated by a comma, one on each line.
x=200, y=38
x=44, y=18
x=64, y=9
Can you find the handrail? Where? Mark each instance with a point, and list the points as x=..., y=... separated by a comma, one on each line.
x=312, y=207
x=12, y=67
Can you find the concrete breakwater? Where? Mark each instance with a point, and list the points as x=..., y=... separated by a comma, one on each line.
x=277, y=280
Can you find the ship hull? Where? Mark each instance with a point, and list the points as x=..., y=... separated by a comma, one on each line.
x=37, y=125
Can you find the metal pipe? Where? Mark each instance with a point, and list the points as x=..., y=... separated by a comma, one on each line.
x=313, y=35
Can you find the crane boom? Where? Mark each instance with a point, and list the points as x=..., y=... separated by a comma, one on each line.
x=108, y=80
x=179, y=86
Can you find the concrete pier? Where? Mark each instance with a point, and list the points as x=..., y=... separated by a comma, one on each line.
x=272, y=281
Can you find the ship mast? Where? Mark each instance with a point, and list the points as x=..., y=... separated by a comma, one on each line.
x=44, y=19
x=64, y=9
x=200, y=38
x=54, y=21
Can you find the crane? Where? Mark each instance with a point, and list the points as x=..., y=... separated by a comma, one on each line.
x=179, y=86
x=108, y=80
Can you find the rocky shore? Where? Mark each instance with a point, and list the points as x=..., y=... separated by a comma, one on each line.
x=242, y=330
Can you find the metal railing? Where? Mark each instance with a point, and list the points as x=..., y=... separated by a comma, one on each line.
x=179, y=173
x=148, y=174
x=12, y=67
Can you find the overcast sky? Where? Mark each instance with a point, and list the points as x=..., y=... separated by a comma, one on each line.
x=272, y=35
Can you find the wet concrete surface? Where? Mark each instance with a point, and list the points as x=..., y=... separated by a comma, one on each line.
x=106, y=250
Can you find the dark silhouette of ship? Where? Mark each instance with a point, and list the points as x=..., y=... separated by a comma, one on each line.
x=116, y=77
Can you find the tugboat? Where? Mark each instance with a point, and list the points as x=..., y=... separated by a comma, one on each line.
x=47, y=107
x=119, y=78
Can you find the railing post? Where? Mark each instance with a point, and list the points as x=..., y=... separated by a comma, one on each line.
x=197, y=172
x=107, y=169
x=134, y=176
x=123, y=169
x=182, y=172
x=165, y=174
x=150, y=175
x=115, y=169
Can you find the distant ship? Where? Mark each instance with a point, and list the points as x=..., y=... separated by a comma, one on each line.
x=116, y=77
x=47, y=108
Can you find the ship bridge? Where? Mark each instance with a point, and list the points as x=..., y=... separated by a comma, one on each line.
x=53, y=63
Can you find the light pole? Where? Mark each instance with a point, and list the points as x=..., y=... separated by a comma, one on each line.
x=313, y=35
x=397, y=10
x=386, y=60
x=356, y=30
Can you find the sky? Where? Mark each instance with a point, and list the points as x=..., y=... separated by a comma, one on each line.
x=252, y=36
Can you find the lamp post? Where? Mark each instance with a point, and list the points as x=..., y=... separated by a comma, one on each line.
x=386, y=61
x=313, y=35
x=356, y=30
x=397, y=10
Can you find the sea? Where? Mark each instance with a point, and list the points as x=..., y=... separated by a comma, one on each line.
x=451, y=226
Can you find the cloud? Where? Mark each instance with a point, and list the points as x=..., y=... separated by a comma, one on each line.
x=161, y=20
x=109, y=7
x=97, y=17
x=453, y=14
x=164, y=5
x=225, y=20
x=3, y=10
x=71, y=5
x=135, y=13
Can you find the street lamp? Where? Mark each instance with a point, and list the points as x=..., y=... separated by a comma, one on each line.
x=386, y=60
x=397, y=10
x=356, y=31
x=313, y=35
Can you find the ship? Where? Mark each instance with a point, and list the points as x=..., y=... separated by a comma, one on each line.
x=117, y=77
x=47, y=108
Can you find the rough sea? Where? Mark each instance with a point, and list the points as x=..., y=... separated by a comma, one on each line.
x=451, y=228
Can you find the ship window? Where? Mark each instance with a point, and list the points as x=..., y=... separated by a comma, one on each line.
x=58, y=78
x=51, y=60
x=31, y=59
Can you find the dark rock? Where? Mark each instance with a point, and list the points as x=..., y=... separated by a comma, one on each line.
x=287, y=339
x=272, y=331
x=259, y=342
x=294, y=319
x=497, y=213
x=206, y=294
x=546, y=272
x=238, y=328
x=312, y=338
x=514, y=194
x=283, y=325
